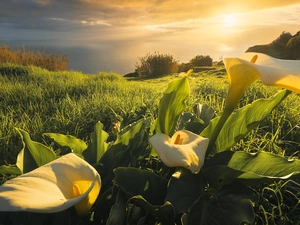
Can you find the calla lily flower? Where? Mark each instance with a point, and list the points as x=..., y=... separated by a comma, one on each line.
x=244, y=70
x=65, y=182
x=183, y=149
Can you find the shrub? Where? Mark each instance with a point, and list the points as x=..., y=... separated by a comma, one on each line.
x=201, y=60
x=156, y=64
x=183, y=67
x=22, y=56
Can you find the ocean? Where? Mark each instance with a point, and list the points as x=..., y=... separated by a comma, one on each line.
x=89, y=58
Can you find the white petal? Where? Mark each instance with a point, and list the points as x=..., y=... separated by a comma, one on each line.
x=49, y=188
x=167, y=152
x=199, y=147
x=276, y=72
x=190, y=154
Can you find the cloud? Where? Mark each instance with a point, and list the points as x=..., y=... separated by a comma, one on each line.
x=140, y=20
x=125, y=12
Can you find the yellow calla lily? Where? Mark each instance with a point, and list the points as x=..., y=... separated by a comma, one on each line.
x=65, y=182
x=244, y=70
x=183, y=149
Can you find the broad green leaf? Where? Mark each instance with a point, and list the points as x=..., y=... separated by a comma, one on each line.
x=102, y=206
x=240, y=123
x=98, y=145
x=249, y=168
x=184, y=188
x=76, y=145
x=163, y=213
x=33, y=154
x=203, y=114
x=230, y=205
x=134, y=181
x=136, y=215
x=10, y=169
x=117, y=214
x=171, y=105
x=126, y=134
x=125, y=150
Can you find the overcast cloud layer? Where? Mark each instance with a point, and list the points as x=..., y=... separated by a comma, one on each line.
x=184, y=28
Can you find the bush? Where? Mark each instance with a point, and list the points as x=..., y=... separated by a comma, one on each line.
x=156, y=64
x=201, y=60
x=183, y=67
x=52, y=62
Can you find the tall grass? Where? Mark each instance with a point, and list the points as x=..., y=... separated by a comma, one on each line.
x=53, y=62
x=67, y=102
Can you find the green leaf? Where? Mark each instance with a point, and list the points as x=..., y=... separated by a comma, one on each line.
x=76, y=145
x=98, y=145
x=163, y=213
x=171, y=105
x=102, y=206
x=249, y=168
x=10, y=169
x=203, y=114
x=184, y=188
x=135, y=181
x=230, y=205
x=240, y=123
x=33, y=154
x=125, y=150
x=117, y=213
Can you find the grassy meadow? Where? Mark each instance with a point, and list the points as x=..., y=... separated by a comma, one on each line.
x=69, y=102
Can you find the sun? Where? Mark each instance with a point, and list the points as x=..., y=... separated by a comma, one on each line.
x=229, y=20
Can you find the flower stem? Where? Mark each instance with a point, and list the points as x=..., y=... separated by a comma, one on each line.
x=226, y=113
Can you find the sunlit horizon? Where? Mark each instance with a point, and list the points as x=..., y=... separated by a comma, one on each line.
x=130, y=29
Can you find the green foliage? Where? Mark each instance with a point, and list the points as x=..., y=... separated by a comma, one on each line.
x=240, y=123
x=230, y=205
x=33, y=154
x=201, y=60
x=137, y=188
x=156, y=64
x=68, y=103
x=68, y=143
x=171, y=105
x=9, y=69
x=22, y=56
x=134, y=182
x=183, y=67
x=98, y=145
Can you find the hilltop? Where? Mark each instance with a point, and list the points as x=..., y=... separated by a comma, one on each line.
x=286, y=46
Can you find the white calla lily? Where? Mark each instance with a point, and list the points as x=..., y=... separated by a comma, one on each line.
x=276, y=72
x=65, y=182
x=183, y=149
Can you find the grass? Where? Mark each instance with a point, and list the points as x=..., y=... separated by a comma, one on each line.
x=69, y=102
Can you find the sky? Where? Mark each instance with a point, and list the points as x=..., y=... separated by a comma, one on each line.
x=111, y=35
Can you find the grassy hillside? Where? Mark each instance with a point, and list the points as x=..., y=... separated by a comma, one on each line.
x=70, y=102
